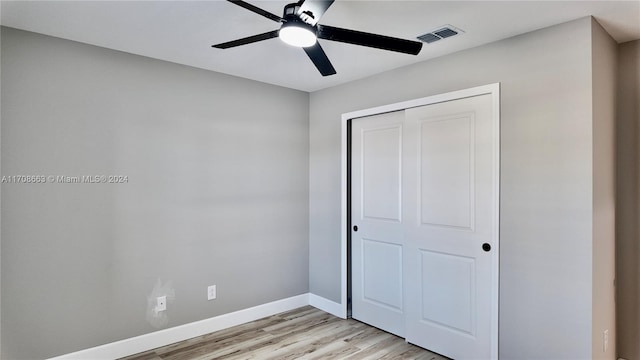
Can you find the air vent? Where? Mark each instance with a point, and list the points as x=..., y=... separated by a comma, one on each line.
x=440, y=33
x=429, y=38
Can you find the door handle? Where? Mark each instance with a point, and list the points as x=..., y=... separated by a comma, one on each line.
x=486, y=247
x=355, y=227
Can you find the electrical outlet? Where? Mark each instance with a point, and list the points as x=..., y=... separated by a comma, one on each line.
x=162, y=303
x=211, y=292
x=605, y=345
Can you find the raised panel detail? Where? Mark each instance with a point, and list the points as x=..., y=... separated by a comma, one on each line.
x=382, y=273
x=381, y=169
x=446, y=157
x=448, y=289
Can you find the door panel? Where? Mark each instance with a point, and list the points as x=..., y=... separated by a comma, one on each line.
x=381, y=163
x=377, y=245
x=382, y=285
x=446, y=177
x=449, y=284
x=448, y=291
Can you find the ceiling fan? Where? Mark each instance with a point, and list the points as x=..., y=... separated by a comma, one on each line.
x=299, y=27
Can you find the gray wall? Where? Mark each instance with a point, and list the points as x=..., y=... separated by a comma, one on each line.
x=217, y=193
x=546, y=179
x=628, y=200
x=604, y=64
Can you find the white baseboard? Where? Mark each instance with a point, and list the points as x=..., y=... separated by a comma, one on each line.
x=164, y=337
x=329, y=306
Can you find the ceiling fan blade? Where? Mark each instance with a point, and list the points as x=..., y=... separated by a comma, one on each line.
x=313, y=9
x=247, y=40
x=320, y=59
x=257, y=10
x=368, y=39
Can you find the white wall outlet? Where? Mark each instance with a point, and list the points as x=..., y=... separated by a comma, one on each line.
x=605, y=341
x=162, y=303
x=211, y=292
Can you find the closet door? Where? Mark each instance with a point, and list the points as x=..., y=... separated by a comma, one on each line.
x=377, y=241
x=424, y=200
x=450, y=222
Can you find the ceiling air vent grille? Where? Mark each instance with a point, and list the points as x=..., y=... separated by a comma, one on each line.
x=440, y=33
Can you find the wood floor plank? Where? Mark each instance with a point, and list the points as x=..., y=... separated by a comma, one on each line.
x=336, y=349
x=212, y=349
x=305, y=333
x=299, y=324
x=368, y=337
x=144, y=356
x=301, y=344
x=375, y=350
x=293, y=340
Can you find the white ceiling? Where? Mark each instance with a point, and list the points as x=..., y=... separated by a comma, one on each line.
x=183, y=31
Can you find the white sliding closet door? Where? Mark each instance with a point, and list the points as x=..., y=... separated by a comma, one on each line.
x=450, y=224
x=377, y=236
x=425, y=203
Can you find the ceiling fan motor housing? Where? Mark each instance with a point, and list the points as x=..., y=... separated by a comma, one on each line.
x=290, y=9
x=292, y=13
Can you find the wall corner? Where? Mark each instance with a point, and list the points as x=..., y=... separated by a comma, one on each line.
x=603, y=88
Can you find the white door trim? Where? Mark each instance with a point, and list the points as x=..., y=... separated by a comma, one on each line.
x=494, y=91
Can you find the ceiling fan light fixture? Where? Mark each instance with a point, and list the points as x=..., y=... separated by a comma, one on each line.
x=299, y=34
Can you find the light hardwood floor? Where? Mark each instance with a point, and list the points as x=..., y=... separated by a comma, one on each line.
x=304, y=333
